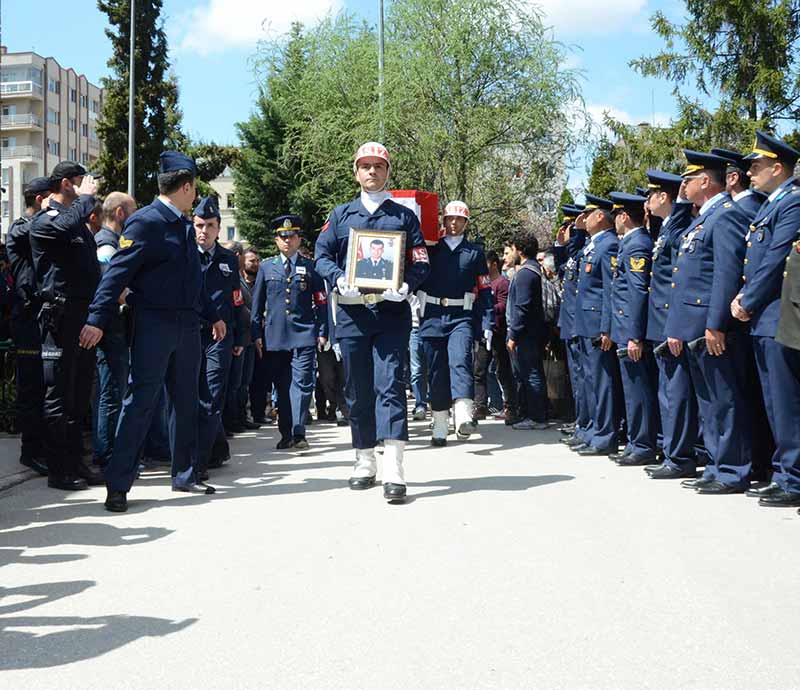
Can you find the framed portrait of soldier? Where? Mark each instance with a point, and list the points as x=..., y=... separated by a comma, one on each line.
x=375, y=260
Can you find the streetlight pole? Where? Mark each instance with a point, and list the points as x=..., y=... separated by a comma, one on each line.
x=131, y=124
x=380, y=68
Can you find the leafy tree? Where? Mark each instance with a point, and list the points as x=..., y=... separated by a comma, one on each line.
x=156, y=110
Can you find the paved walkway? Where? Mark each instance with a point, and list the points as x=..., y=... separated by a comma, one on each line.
x=516, y=565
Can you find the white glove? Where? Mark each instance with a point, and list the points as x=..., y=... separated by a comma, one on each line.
x=396, y=295
x=338, y=352
x=346, y=290
x=488, y=335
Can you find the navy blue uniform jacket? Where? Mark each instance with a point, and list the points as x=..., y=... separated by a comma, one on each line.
x=629, y=290
x=221, y=281
x=593, y=301
x=567, y=261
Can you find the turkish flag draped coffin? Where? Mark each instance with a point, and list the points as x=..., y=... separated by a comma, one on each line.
x=426, y=206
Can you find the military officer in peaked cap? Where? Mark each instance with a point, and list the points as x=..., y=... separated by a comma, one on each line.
x=601, y=387
x=769, y=242
x=220, y=269
x=676, y=397
x=455, y=295
x=159, y=264
x=707, y=275
x=629, y=300
x=289, y=321
x=737, y=182
x=373, y=330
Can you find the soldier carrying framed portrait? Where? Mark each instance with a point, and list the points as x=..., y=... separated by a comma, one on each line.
x=375, y=259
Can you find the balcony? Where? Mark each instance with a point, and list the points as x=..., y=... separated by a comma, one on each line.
x=12, y=89
x=22, y=121
x=23, y=152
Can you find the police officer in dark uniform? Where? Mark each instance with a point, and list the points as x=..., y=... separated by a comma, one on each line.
x=629, y=300
x=373, y=330
x=159, y=263
x=289, y=321
x=220, y=268
x=601, y=389
x=375, y=266
x=67, y=274
x=707, y=275
x=456, y=295
x=676, y=398
x=25, y=329
x=769, y=242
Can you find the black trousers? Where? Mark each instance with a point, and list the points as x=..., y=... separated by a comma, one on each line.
x=30, y=382
x=261, y=385
x=331, y=381
x=481, y=361
x=68, y=375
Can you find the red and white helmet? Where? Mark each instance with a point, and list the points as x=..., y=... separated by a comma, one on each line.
x=374, y=150
x=457, y=208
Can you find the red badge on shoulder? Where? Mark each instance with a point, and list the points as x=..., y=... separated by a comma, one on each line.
x=484, y=282
x=588, y=268
x=419, y=254
x=238, y=301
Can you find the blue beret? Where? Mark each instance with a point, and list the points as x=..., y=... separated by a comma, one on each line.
x=622, y=201
x=207, y=208
x=658, y=180
x=38, y=185
x=769, y=146
x=172, y=161
x=594, y=202
x=287, y=223
x=697, y=161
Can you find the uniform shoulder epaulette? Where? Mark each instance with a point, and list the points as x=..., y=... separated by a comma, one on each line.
x=53, y=212
x=727, y=204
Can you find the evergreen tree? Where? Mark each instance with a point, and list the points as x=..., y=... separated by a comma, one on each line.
x=565, y=198
x=156, y=111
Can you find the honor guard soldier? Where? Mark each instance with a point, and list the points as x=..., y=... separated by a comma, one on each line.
x=25, y=329
x=569, y=243
x=67, y=273
x=159, y=264
x=676, y=397
x=373, y=330
x=629, y=299
x=601, y=388
x=220, y=269
x=456, y=295
x=707, y=275
x=737, y=182
x=289, y=321
x=769, y=242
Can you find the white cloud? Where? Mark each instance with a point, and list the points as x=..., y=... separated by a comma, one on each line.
x=597, y=113
x=217, y=25
x=589, y=16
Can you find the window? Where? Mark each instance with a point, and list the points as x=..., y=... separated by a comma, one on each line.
x=5, y=209
x=95, y=107
x=231, y=233
x=84, y=101
x=73, y=154
x=73, y=96
x=72, y=124
x=5, y=177
x=231, y=201
x=54, y=147
x=53, y=85
x=9, y=110
x=53, y=116
x=92, y=135
x=84, y=158
x=9, y=142
x=84, y=130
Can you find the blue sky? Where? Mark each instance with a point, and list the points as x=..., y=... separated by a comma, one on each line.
x=211, y=42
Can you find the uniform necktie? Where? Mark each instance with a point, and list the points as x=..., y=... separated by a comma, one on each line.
x=205, y=258
x=287, y=267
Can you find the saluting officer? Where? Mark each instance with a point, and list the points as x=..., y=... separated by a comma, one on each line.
x=707, y=275
x=569, y=243
x=769, y=243
x=455, y=295
x=676, y=397
x=67, y=273
x=373, y=330
x=629, y=299
x=25, y=329
x=220, y=269
x=159, y=264
x=289, y=321
x=601, y=388
x=737, y=182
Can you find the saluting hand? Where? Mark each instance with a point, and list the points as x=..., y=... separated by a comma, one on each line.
x=90, y=336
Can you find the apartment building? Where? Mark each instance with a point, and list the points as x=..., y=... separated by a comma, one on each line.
x=225, y=190
x=49, y=114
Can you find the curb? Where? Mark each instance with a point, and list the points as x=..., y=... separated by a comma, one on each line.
x=11, y=480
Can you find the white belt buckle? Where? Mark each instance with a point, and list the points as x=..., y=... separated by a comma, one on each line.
x=443, y=302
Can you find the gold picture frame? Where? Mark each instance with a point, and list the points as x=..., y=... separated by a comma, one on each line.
x=375, y=259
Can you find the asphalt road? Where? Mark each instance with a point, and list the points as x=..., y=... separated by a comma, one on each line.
x=515, y=565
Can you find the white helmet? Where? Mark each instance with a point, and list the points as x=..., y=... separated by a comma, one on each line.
x=372, y=149
x=457, y=208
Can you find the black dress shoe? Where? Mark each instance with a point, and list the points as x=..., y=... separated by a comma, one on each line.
x=361, y=483
x=203, y=475
x=91, y=473
x=588, y=451
x=567, y=429
x=767, y=490
x=616, y=457
x=299, y=443
x=718, y=489
x=195, y=488
x=438, y=442
x=394, y=493
x=695, y=483
x=780, y=499
x=652, y=468
x=67, y=482
x=284, y=443
x=666, y=472
x=259, y=420
x=635, y=461
x=573, y=441
x=116, y=501
x=36, y=464
x=575, y=449
x=236, y=429
x=252, y=426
